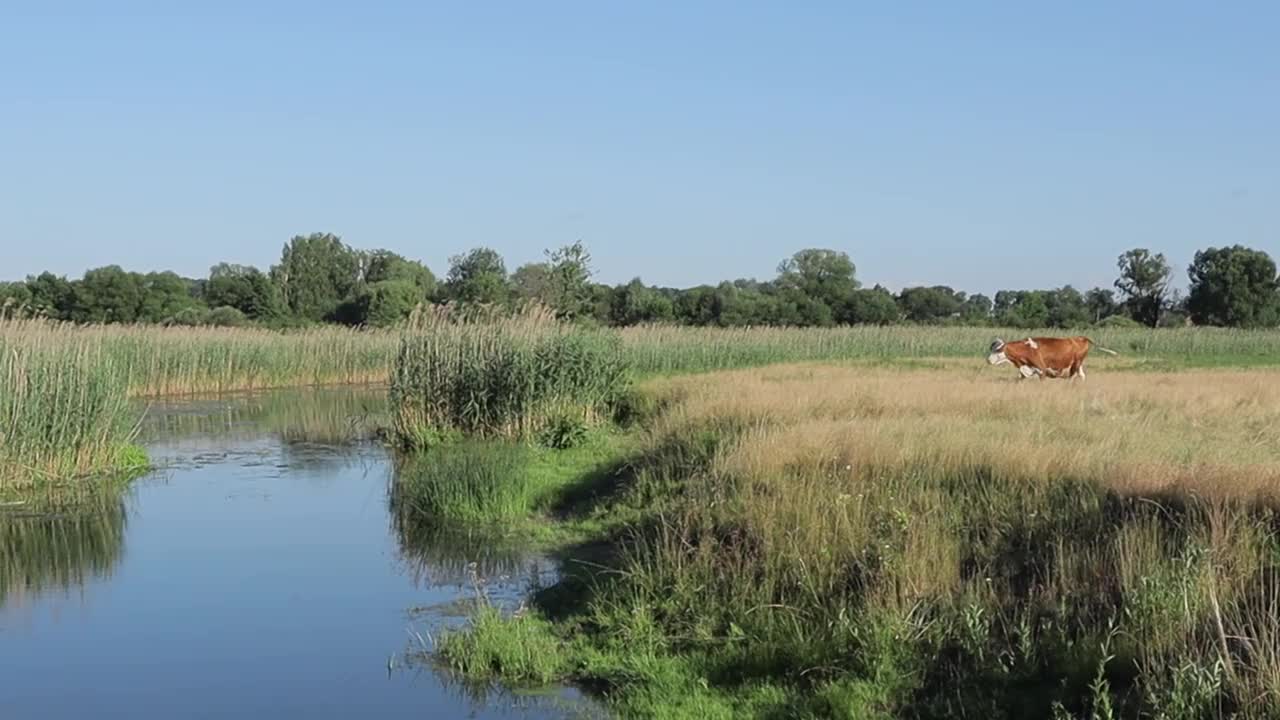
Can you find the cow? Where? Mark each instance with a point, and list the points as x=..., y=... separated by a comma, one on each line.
x=1043, y=357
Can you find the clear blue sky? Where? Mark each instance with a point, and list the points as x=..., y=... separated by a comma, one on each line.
x=983, y=145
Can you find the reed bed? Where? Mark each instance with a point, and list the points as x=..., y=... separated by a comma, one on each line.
x=501, y=376
x=165, y=361
x=64, y=412
x=65, y=390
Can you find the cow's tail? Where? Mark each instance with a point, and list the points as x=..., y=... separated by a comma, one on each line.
x=1099, y=348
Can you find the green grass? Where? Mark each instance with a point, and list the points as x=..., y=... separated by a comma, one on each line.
x=667, y=350
x=499, y=481
x=518, y=650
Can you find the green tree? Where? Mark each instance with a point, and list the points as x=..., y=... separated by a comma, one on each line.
x=636, y=303
x=824, y=275
x=1022, y=308
x=107, y=295
x=52, y=296
x=478, y=276
x=245, y=288
x=1067, y=308
x=976, y=310
x=316, y=273
x=874, y=306
x=387, y=303
x=1101, y=304
x=164, y=295
x=385, y=266
x=1144, y=283
x=226, y=317
x=1234, y=286
x=531, y=283
x=570, y=280
x=15, y=299
x=698, y=306
x=935, y=304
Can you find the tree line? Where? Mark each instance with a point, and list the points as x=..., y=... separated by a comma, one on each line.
x=321, y=279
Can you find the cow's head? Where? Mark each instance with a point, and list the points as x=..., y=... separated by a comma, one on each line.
x=996, y=355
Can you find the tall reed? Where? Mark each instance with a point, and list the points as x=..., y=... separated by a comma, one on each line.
x=64, y=411
x=159, y=361
x=500, y=375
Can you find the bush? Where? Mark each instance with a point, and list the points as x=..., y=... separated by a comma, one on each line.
x=190, y=317
x=227, y=317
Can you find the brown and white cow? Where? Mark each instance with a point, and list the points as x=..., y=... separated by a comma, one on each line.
x=1045, y=356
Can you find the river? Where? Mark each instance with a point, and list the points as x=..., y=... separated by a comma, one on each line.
x=257, y=573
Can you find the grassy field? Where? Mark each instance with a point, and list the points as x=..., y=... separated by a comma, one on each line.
x=822, y=541
x=668, y=350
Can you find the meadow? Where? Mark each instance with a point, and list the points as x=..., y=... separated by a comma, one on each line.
x=657, y=350
x=894, y=532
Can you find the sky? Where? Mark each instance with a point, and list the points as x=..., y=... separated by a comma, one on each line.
x=981, y=145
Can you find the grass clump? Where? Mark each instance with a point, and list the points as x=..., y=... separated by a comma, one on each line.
x=489, y=481
x=515, y=649
x=501, y=376
x=466, y=481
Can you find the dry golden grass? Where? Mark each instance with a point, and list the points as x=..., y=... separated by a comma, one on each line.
x=1211, y=433
x=969, y=507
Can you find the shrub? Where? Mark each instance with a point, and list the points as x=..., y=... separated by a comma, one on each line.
x=226, y=316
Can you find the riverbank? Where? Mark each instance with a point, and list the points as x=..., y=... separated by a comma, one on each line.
x=820, y=541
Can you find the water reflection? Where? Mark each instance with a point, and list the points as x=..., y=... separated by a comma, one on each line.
x=477, y=559
x=322, y=416
x=56, y=551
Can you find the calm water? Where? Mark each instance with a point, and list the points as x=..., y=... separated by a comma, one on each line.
x=258, y=575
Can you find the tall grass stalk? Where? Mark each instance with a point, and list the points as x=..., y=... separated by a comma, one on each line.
x=161, y=361
x=500, y=375
x=64, y=410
